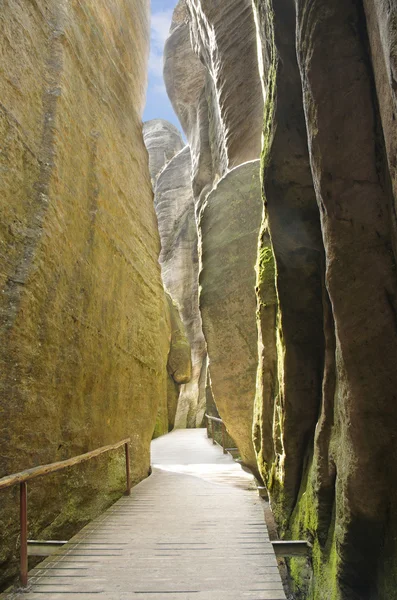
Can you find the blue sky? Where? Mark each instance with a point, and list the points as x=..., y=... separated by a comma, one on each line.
x=157, y=103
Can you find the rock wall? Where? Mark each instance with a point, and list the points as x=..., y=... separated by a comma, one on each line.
x=84, y=343
x=179, y=266
x=326, y=437
x=229, y=226
x=162, y=141
x=179, y=368
x=223, y=127
x=175, y=211
x=324, y=412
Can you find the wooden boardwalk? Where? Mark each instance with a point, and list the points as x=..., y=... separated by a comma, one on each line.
x=194, y=530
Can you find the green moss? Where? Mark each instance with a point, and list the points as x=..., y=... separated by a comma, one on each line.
x=266, y=270
x=318, y=578
x=161, y=427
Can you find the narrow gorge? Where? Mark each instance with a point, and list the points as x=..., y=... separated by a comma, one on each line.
x=244, y=266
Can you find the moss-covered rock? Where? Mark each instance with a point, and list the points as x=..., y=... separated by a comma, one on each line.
x=330, y=216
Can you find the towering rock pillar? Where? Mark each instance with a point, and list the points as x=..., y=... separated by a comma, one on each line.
x=215, y=89
x=326, y=444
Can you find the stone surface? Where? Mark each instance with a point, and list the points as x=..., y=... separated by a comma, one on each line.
x=215, y=89
x=229, y=226
x=83, y=348
x=326, y=439
x=185, y=79
x=179, y=363
x=325, y=405
x=163, y=141
x=179, y=266
x=179, y=367
x=294, y=377
x=222, y=122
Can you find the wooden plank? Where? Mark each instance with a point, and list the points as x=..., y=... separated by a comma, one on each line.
x=193, y=530
x=44, y=547
x=216, y=419
x=10, y=480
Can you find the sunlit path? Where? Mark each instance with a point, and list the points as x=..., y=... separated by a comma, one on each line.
x=193, y=530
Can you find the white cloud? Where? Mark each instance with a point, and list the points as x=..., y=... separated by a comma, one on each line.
x=160, y=27
x=156, y=64
x=159, y=89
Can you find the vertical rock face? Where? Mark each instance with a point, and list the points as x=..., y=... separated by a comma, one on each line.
x=229, y=226
x=325, y=410
x=163, y=141
x=324, y=435
x=175, y=210
x=221, y=120
x=223, y=125
x=179, y=367
x=236, y=108
x=83, y=342
x=179, y=265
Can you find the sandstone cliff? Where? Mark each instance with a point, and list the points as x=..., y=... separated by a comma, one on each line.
x=229, y=226
x=179, y=368
x=222, y=123
x=163, y=141
x=84, y=345
x=179, y=266
x=175, y=211
x=325, y=422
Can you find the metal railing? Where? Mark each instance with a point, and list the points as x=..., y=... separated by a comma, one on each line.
x=24, y=476
x=212, y=423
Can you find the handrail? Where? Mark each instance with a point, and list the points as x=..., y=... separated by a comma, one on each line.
x=10, y=480
x=23, y=477
x=213, y=420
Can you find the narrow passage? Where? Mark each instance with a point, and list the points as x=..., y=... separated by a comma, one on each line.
x=193, y=530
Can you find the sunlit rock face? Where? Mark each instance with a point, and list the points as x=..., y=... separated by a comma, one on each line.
x=229, y=226
x=214, y=85
x=84, y=343
x=179, y=368
x=175, y=211
x=163, y=141
x=325, y=435
x=180, y=267
x=215, y=89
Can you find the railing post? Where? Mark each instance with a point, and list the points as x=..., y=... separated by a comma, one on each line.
x=208, y=426
x=224, y=438
x=127, y=468
x=213, y=432
x=23, y=510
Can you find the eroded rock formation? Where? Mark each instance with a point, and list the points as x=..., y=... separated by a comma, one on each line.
x=223, y=127
x=325, y=442
x=179, y=259
x=163, y=141
x=84, y=345
x=179, y=368
x=229, y=226
x=179, y=266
